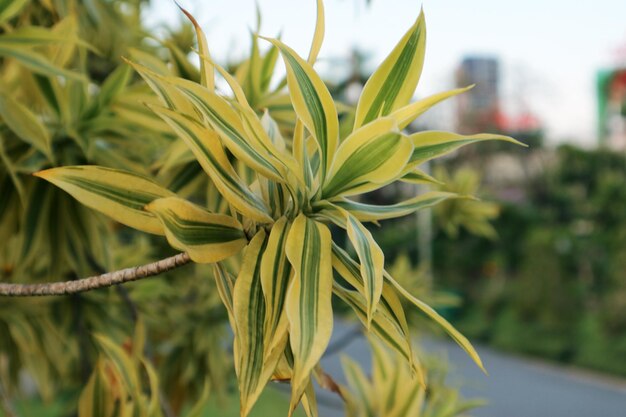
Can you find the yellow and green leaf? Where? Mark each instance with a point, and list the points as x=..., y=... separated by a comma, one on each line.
x=275, y=276
x=207, y=71
x=254, y=365
x=226, y=121
x=120, y=195
x=313, y=104
x=388, y=322
x=25, y=124
x=309, y=308
x=392, y=85
x=433, y=144
x=205, y=236
x=371, y=212
x=38, y=62
x=208, y=150
x=170, y=96
x=370, y=157
x=406, y=114
x=372, y=262
x=443, y=323
x=318, y=37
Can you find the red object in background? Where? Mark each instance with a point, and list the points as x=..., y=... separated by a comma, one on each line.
x=524, y=122
x=617, y=88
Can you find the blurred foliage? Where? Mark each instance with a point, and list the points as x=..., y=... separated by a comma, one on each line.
x=394, y=391
x=473, y=215
x=557, y=288
x=66, y=98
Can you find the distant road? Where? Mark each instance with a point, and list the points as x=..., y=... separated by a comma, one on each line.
x=515, y=387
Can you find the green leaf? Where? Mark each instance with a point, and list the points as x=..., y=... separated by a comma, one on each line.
x=120, y=195
x=122, y=362
x=405, y=115
x=392, y=85
x=251, y=150
x=313, y=104
x=371, y=212
x=37, y=62
x=275, y=275
x=205, y=236
x=207, y=148
x=207, y=71
x=25, y=124
x=372, y=262
x=433, y=144
x=309, y=308
x=10, y=8
x=369, y=158
x=389, y=321
x=255, y=363
x=443, y=323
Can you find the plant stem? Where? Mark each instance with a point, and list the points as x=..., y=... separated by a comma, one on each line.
x=95, y=282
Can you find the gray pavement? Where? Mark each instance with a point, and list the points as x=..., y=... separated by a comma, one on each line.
x=515, y=387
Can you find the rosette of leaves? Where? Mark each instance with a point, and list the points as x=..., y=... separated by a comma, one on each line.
x=279, y=215
x=124, y=382
x=471, y=214
x=394, y=391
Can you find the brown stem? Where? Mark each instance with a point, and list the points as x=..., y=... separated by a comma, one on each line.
x=95, y=282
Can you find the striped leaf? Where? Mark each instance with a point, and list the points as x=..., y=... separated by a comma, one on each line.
x=207, y=148
x=389, y=321
x=255, y=130
x=380, y=326
x=416, y=176
x=225, y=283
x=227, y=122
x=372, y=212
x=443, y=323
x=392, y=85
x=207, y=71
x=120, y=195
x=367, y=159
x=275, y=276
x=37, y=62
x=318, y=37
x=433, y=144
x=372, y=262
x=122, y=363
x=313, y=103
x=205, y=236
x=254, y=367
x=170, y=96
x=407, y=114
x=309, y=308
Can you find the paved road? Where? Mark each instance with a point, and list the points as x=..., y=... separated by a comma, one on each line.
x=516, y=387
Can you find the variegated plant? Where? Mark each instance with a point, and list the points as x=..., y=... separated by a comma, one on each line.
x=393, y=391
x=278, y=199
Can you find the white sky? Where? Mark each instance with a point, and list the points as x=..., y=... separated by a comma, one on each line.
x=550, y=50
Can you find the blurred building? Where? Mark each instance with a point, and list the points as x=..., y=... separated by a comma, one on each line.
x=479, y=109
x=611, y=91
